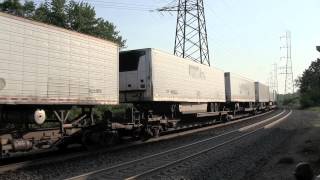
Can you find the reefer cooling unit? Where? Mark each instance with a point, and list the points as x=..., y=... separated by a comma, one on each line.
x=153, y=75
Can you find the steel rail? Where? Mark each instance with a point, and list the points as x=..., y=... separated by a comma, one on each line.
x=86, y=175
x=29, y=163
x=206, y=150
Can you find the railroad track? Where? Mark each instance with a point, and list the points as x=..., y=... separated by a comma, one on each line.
x=144, y=167
x=52, y=159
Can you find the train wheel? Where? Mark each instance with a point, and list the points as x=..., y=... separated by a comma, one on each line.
x=227, y=118
x=164, y=127
x=110, y=138
x=156, y=131
x=136, y=133
x=62, y=147
x=146, y=134
x=254, y=112
x=87, y=142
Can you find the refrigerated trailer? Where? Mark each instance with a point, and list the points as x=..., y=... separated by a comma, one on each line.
x=273, y=99
x=44, y=72
x=273, y=96
x=157, y=78
x=262, y=95
x=240, y=92
x=165, y=89
x=43, y=64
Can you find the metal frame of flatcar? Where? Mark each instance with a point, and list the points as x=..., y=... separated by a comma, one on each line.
x=26, y=135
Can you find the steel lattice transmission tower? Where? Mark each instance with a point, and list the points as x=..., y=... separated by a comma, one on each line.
x=273, y=80
x=191, y=33
x=275, y=77
x=287, y=68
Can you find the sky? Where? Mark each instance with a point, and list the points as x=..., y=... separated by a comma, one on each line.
x=243, y=35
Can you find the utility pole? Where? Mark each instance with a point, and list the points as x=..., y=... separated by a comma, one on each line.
x=287, y=68
x=191, y=39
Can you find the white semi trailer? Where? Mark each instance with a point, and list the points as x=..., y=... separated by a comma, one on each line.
x=240, y=93
x=153, y=76
x=273, y=99
x=262, y=95
x=166, y=87
x=42, y=64
x=46, y=70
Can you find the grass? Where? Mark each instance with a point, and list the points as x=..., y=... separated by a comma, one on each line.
x=315, y=109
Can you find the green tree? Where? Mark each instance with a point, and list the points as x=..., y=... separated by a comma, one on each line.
x=57, y=13
x=309, y=84
x=107, y=30
x=52, y=12
x=29, y=9
x=12, y=7
x=81, y=17
x=77, y=16
x=42, y=12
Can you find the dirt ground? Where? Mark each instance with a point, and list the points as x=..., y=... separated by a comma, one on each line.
x=302, y=146
x=271, y=154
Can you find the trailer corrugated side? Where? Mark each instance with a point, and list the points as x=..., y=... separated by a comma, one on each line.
x=273, y=96
x=43, y=64
x=160, y=76
x=262, y=92
x=238, y=88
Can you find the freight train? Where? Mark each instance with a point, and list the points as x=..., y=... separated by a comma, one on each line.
x=46, y=71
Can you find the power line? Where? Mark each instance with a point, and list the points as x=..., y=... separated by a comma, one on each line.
x=287, y=68
x=191, y=39
x=273, y=82
x=115, y=5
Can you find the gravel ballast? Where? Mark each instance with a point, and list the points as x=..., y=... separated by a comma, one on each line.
x=270, y=154
x=81, y=165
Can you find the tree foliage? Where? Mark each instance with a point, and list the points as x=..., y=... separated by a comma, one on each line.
x=309, y=84
x=82, y=17
x=77, y=16
x=12, y=7
x=29, y=8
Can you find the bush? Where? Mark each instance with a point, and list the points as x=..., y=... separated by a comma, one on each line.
x=309, y=84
